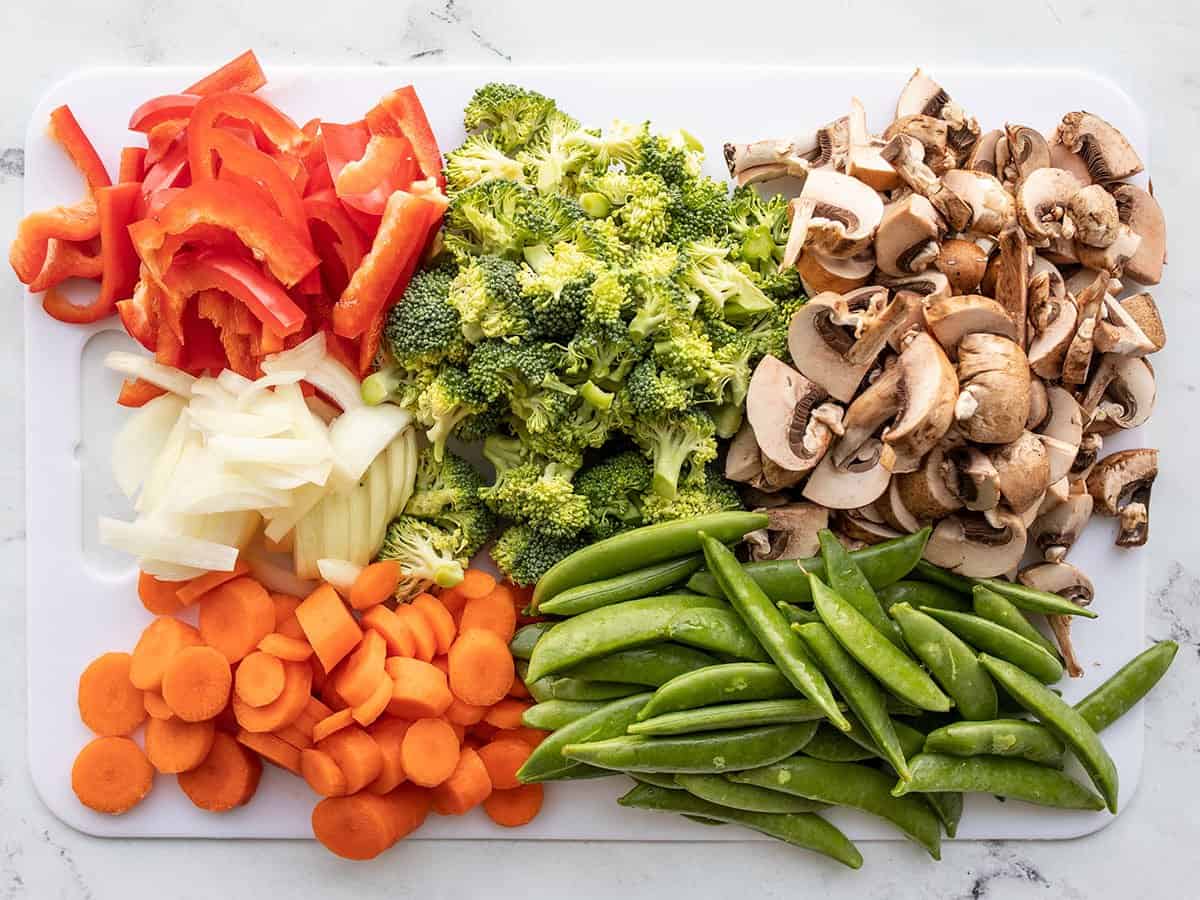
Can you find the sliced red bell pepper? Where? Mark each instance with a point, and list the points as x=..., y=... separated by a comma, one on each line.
x=157, y=110
x=335, y=234
x=161, y=138
x=270, y=303
x=139, y=314
x=169, y=172
x=67, y=259
x=386, y=166
x=405, y=110
x=27, y=253
x=135, y=392
x=344, y=144
x=64, y=128
x=243, y=73
x=133, y=164
x=269, y=122
x=202, y=351
x=252, y=163
x=221, y=310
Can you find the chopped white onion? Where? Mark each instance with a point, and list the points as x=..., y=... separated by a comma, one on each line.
x=322, y=409
x=145, y=539
x=301, y=358
x=141, y=440
x=339, y=573
x=258, y=389
x=236, y=424
x=138, y=366
x=337, y=383
x=233, y=382
x=281, y=521
x=165, y=571
x=276, y=576
x=359, y=435
x=271, y=451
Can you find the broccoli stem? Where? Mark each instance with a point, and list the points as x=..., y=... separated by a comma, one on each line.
x=379, y=387
x=595, y=204
x=668, y=463
x=448, y=575
x=728, y=417
x=596, y=396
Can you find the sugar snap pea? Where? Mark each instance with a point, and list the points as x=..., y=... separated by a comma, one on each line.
x=564, y=687
x=924, y=570
x=711, y=752
x=641, y=547
x=1033, y=600
x=786, y=579
x=659, y=779
x=875, y=653
x=860, y=690
x=554, y=714
x=1061, y=718
x=768, y=625
x=1000, y=641
x=651, y=666
x=718, y=630
x=989, y=605
x=854, y=785
x=805, y=830
x=546, y=762
x=999, y=737
x=521, y=646
x=832, y=745
x=725, y=683
x=608, y=629
x=844, y=576
x=629, y=586
x=720, y=790
x=922, y=593
x=911, y=740
x=947, y=806
x=951, y=661
x=797, y=615
x=729, y=715
x=1003, y=776
x=1131, y=683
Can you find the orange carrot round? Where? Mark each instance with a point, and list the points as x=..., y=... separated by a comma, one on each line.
x=355, y=827
x=460, y=731
x=419, y=690
x=356, y=754
x=484, y=732
x=375, y=584
x=360, y=673
x=197, y=682
x=235, y=616
x=321, y=773
x=227, y=778
x=174, y=746
x=259, y=678
x=160, y=641
x=375, y=705
x=515, y=806
x=476, y=583
x=442, y=662
x=518, y=690
x=158, y=597
x=389, y=735
x=502, y=758
x=328, y=626
x=273, y=749
x=285, y=606
x=531, y=736
x=297, y=684
x=409, y=806
x=439, y=619
x=481, y=667
x=460, y=713
x=467, y=786
x=108, y=703
x=283, y=647
x=191, y=591
x=290, y=628
x=422, y=631
x=398, y=636
x=507, y=713
x=332, y=723
x=111, y=775
x=429, y=752
x=454, y=601
x=156, y=707
x=493, y=612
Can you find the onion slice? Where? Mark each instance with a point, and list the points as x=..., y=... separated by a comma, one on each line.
x=141, y=439
x=339, y=573
x=138, y=366
x=145, y=539
x=359, y=435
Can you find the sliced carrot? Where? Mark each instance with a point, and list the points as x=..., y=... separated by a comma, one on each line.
x=332, y=698
x=422, y=631
x=235, y=616
x=429, y=752
x=467, y=786
x=314, y=711
x=493, y=613
x=360, y=826
x=328, y=626
x=389, y=735
x=460, y=731
x=108, y=703
x=285, y=607
x=518, y=690
x=459, y=713
x=375, y=584
x=273, y=749
x=197, y=682
x=531, y=736
x=297, y=682
x=226, y=720
x=514, y=807
x=294, y=735
x=398, y=636
x=226, y=779
x=439, y=618
x=356, y=754
x=321, y=773
x=259, y=678
x=161, y=640
x=375, y=705
x=158, y=596
x=443, y=663
x=191, y=591
x=319, y=675
x=454, y=601
x=481, y=667
x=331, y=723
x=409, y=805
x=156, y=707
x=419, y=690
x=506, y=591
x=174, y=746
x=503, y=757
x=484, y=732
x=507, y=713
x=360, y=673
x=111, y=775
x=283, y=647
x=476, y=583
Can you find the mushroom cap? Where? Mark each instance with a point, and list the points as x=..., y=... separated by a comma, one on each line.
x=1057, y=284
x=1056, y=530
x=1120, y=484
x=1060, y=578
x=770, y=151
x=1119, y=332
x=950, y=319
x=791, y=532
x=983, y=155
x=1108, y=155
x=845, y=213
x=933, y=136
x=991, y=205
x=743, y=461
x=931, y=492
x=994, y=373
x=1049, y=345
x=856, y=484
x=924, y=96
x=892, y=508
x=820, y=272
x=1012, y=278
x=968, y=544
x=1042, y=205
x=1094, y=211
x=906, y=243
x=1120, y=395
x=963, y=263
x=1062, y=431
x=1115, y=256
x=818, y=346
x=1062, y=157
x=1140, y=211
x=1023, y=467
x=1039, y=404
x=779, y=406
x=930, y=390
x=1023, y=151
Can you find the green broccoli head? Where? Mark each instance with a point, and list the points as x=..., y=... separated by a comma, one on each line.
x=557, y=153
x=709, y=494
x=424, y=329
x=605, y=356
x=657, y=303
x=644, y=217
x=725, y=289
x=525, y=554
x=614, y=489
x=493, y=217
x=539, y=494
x=513, y=114
x=449, y=399
x=758, y=229
x=489, y=301
x=674, y=157
x=699, y=210
x=477, y=160
x=687, y=438
x=478, y=426
x=446, y=493
x=652, y=392
x=501, y=369
x=427, y=555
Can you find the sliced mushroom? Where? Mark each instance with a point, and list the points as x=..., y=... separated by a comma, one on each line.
x=907, y=157
x=1120, y=484
x=743, y=461
x=835, y=214
x=1054, y=322
x=1062, y=431
x=993, y=400
x=776, y=478
x=1062, y=157
x=759, y=174
x=929, y=389
x=855, y=524
x=907, y=240
x=1094, y=212
x=791, y=532
x=924, y=96
x=1120, y=394
x=1055, y=531
x=1039, y=404
x=860, y=482
x=931, y=492
x=792, y=426
x=983, y=155
x=1012, y=279
x=978, y=545
x=894, y=511
x=932, y=133
x=1022, y=152
x=951, y=318
x=1056, y=495
x=991, y=205
x=863, y=160
x=877, y=404
x=1043, y=205
x=1144, y=312
x=1119, y=332
x=820, y=272
x=1078, y=358
x=1056, y=284
x=776, y=157
x=1115, y=256
x=1067, y=581
x=1108, y=155
x=1023, y=468
x=1140, y=211
x=1085, y=459
x=963, y=263
x=756, y=498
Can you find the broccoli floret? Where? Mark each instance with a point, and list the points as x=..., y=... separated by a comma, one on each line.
x=645, y=215
x=711, y=494
x=427, y=555
x=424, y=329
x=539, y=494
x=652, y=392
x=479, y=160
x=616, y=144
x=513, y=114
x=725, y=290
x=476, y=427
x=560, y=150
x=674, y=158
x=489, y=301
x=614, y=489
x=493, y=217
x=499, y=368
x=658, y=302
x=450, y=398
x=758, y=229
x=525, y=554
x=699, y=210
x=550, y=218
x=447, y=494
x=673, y=441
x=605, y=357
x=601, y=239
x=545, y=406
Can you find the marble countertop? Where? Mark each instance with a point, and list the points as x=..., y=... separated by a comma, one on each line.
x=1149, y=850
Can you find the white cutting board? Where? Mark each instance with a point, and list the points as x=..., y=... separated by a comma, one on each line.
x=82, y=599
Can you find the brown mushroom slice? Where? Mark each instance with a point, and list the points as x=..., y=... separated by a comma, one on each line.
x=1023, y=471
x=1120, y=484
x=1115, y=256
x=1022, y=152
x=1120, y=395
x=1039, y=403
x=860, y=482
x=771, y=151
x=1094, y=212
x=929, y=493
x=895, y=511
x=1140, y=211
x=932, y=134
x=1012, y=280
x=982, y=157
x=993, y=400
x=1078, y=358
x=1085, y=459
x=1062, y=157
x=820, y=272
x=952, y=318
x=759, y=174
x=1119, y=332
x=924, y=96
x=866, y=414
x=978, y=545
x=1055, y=323
x=1056, y=284
x=991, y=205
x=963, y=263
x=1043, y=205
x=780, y=407
x=743, y=461
x=930, y=388
x=907, y=240
x=1144, y=311
x=862, y=525
x=791, y=532
x=776, y=478
x=907, y=157
x=834, y=213
x=1067, y=581
x=863, y=160
x=1055, y=531
x=1108, y=155
x=1062, y=431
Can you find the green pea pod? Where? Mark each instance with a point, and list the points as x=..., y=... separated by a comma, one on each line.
x=924, y=570
x=563, y=687
x=805, y=830
x=787, y=579
x=911, y=740
x=1062, y=719
x=947, y=806
x=952, y=662
x=831, y=745
x=771, y=629
x=719, y=630
x=875, y=653
x=845, y=578
x=720, y=790
x=630, y=586
x=1003, y=776
x=554, y=714
x=719, y=684
x=999, y=737
x=712, y=752
x=987, y=604
x=1000, y=641
x=547, y=763
x=521, y=646
x=658, y=779
x=608, y=629
x=650, y=666
x=922, y=593
x=639, y=548
x=1131, y=683
x=797, y=615
x=854, y=785
x=1033, y=600
x=729, y=715
x=860, y=690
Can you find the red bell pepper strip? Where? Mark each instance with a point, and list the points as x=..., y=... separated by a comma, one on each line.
x=242, y=73
x=333, y=228
x=161, y=138
x=66, y=259
x=221, y=310
x=157, y=110
x=168, y=172
x=269, y=122
x=27, y=253
x=65, y=129
x=252, y=163
x=192, y=273
x=133, y=164
x=202, y=350
x=405, y=110
x=344, y=144
x=139, y=314
x=385, y=167
x=135, y=392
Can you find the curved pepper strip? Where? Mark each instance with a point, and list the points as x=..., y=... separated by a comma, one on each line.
x=192, y=273
x=161, y=138
x=267, y=120
x=158, y=110
x=168, y=172
x=139, y=314
x=346, y=242
x=27, y=253
x=407, y=117
x=133, y=164
x=64, y=128
x=242, y=73
x=386, y=166
x=66, y=259
x=222, y=311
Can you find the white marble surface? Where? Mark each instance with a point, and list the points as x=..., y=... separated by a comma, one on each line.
x=1150, y=850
